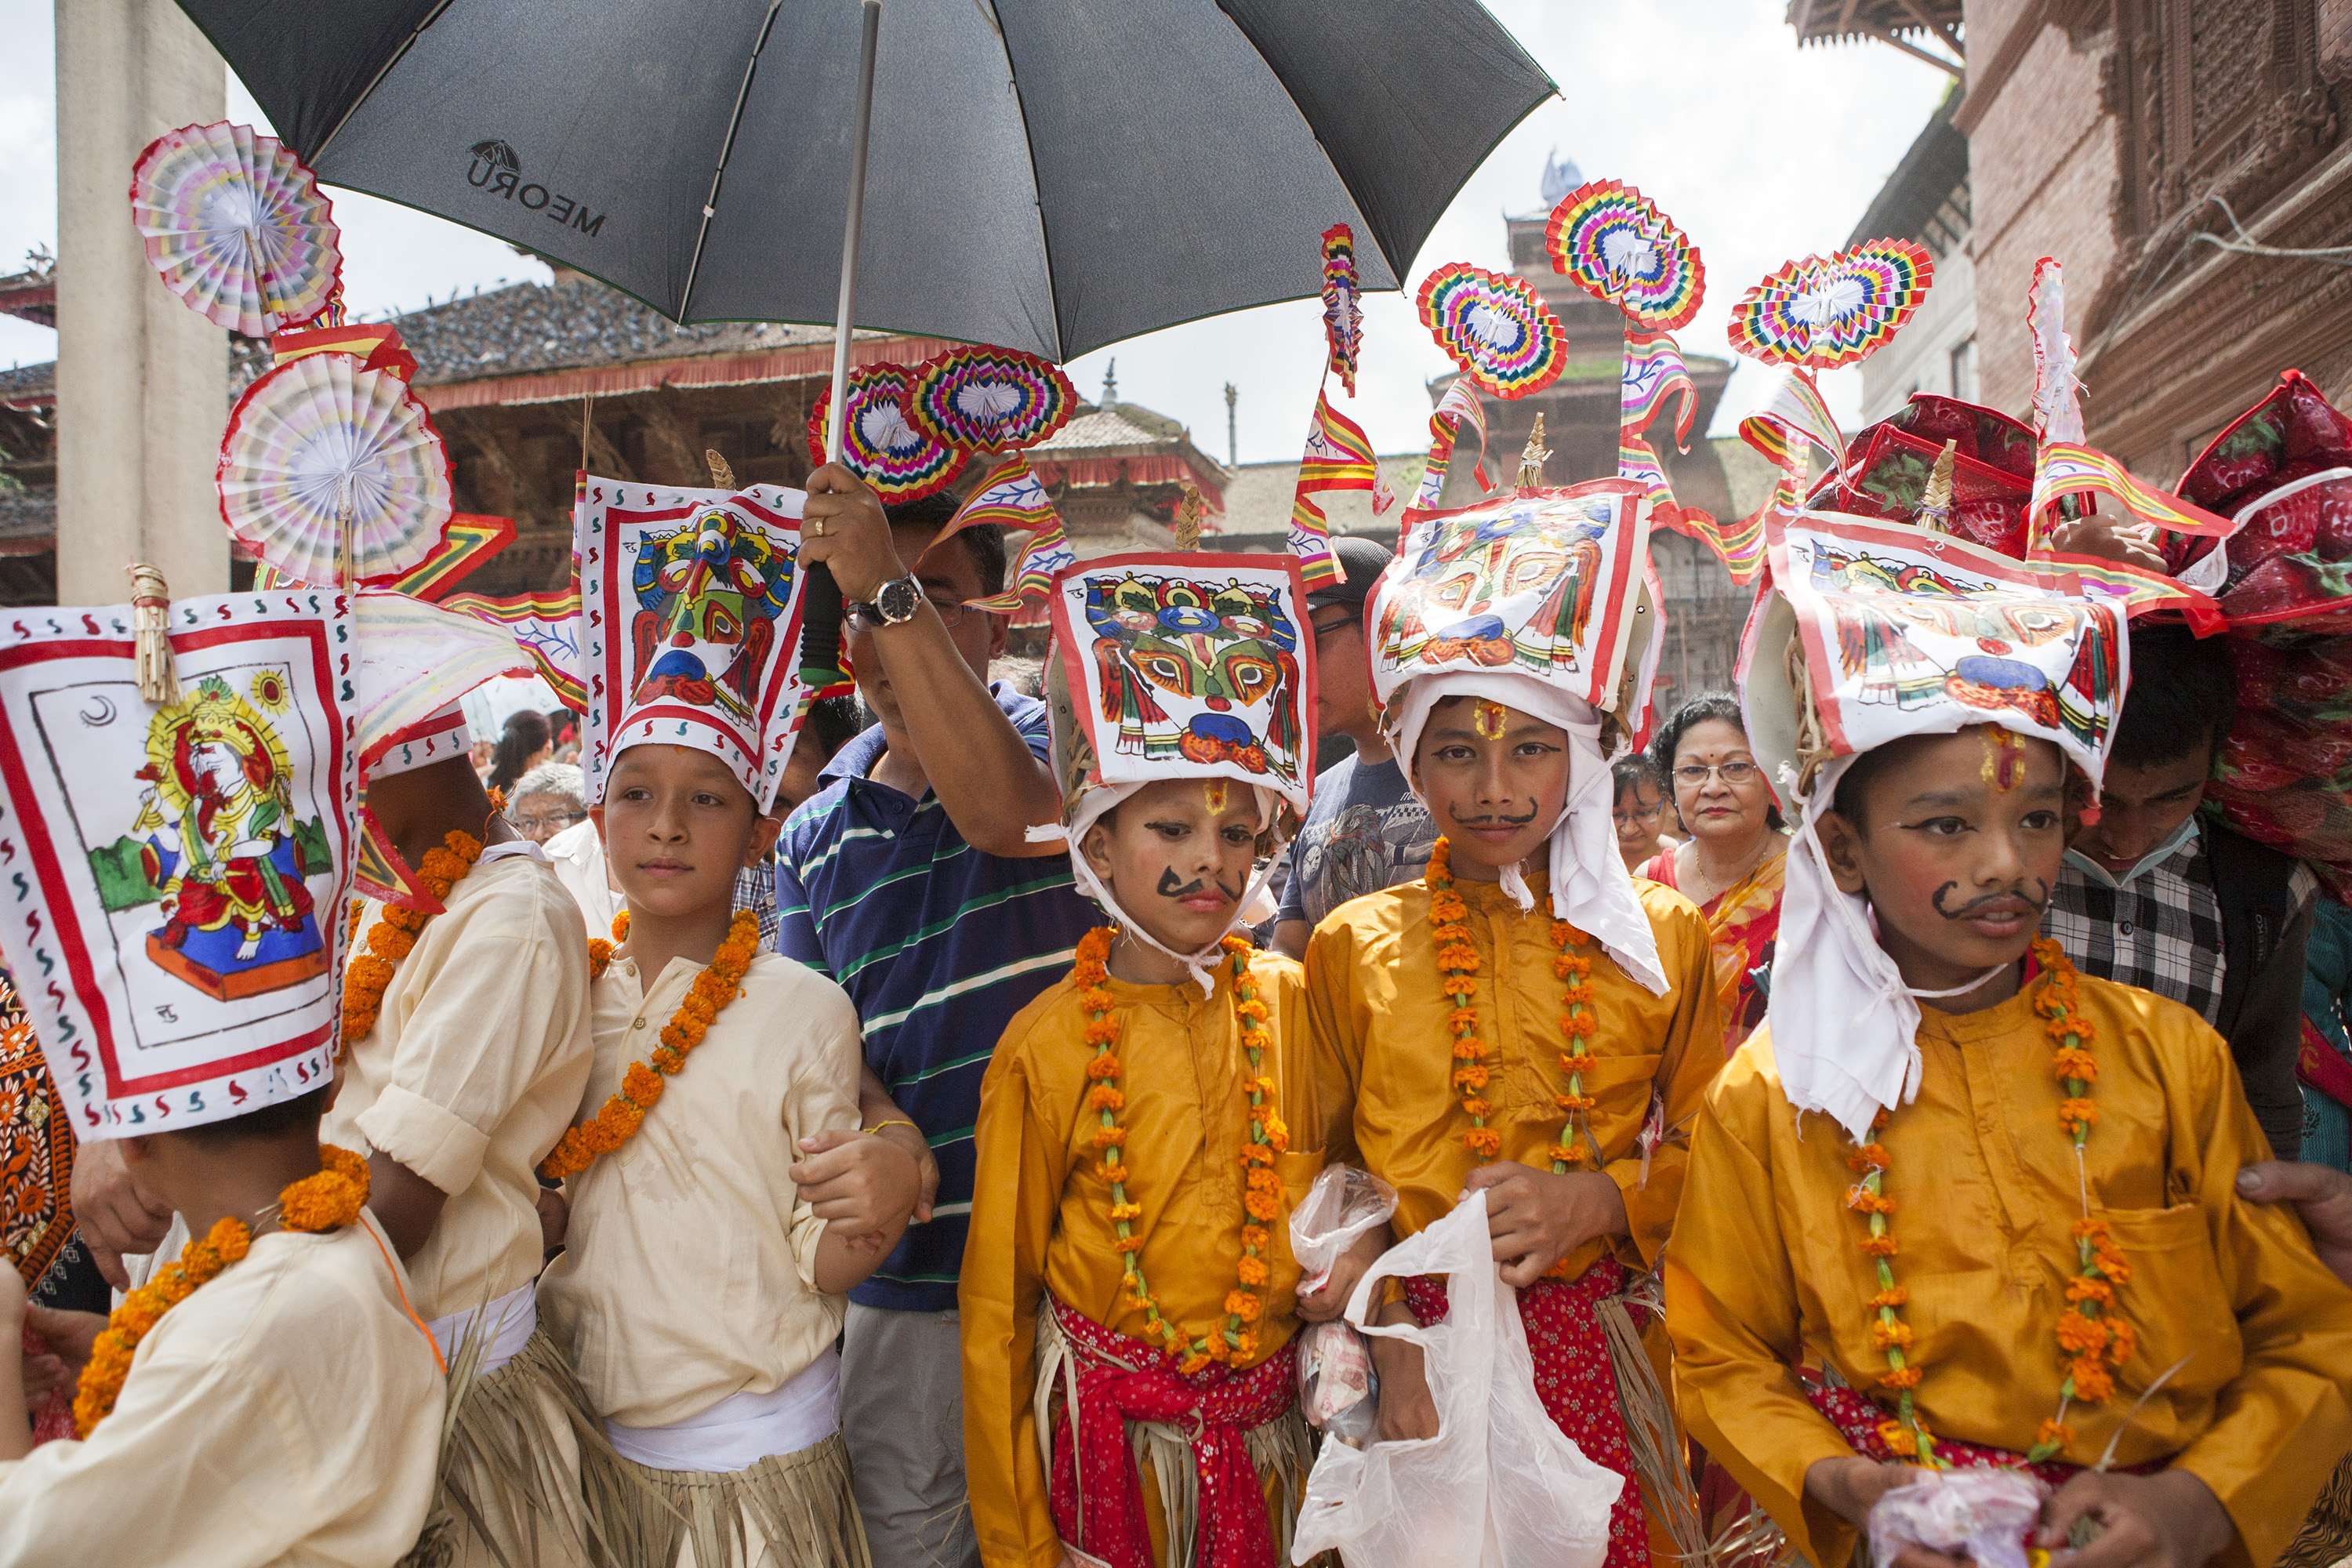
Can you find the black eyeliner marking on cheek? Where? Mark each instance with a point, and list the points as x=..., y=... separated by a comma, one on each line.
x=1233, y=894
x=1939, y=901
x=1171, y=888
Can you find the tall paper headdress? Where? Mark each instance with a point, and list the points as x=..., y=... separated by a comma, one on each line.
x=175, y=867
x=691, y=606
x=1179, y=665
x=1537, y=600
x=1869, y=632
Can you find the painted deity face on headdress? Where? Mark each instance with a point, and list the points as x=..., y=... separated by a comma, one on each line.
x=1542, y=584
x=708, y=598
x=1197, y=666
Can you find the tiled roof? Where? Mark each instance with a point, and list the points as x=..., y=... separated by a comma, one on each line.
x=1099, y=431
x=1257, y=498
x=28, y=382
x=531, y=327
x=28, y=516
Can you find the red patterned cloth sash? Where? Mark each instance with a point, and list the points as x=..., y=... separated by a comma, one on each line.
x=1857, y=1417
x=1573, y=1380
x=1121, y=1380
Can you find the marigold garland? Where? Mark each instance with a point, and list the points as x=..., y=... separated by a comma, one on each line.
x=1262, y=1189
x=392, y=935
x=617, y=1120
x=2094, y=1339
x=1458, y=963
x=327, y=1200
x=1906, y=1435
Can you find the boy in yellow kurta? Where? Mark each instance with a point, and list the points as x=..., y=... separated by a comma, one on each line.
x=703, y=1277
x=466, y=1052
x=1146, y=1126
x=2014, y=1212
x=1525, y=1020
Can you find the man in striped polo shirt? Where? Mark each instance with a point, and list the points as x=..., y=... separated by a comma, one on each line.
x=909, y=880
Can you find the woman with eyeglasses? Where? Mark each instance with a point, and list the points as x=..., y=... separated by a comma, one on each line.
x=1639, y=809
x=547, y=800
x=1731, y=864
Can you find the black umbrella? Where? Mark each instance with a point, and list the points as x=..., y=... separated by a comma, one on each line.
x=1046, y=174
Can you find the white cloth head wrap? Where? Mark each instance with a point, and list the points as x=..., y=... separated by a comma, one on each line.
x=1091, y=805
x=1590, y=888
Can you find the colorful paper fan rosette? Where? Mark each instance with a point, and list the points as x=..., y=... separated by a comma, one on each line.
x=318, y=438
x=1504, y=337
x=1826, y=311
x=1614, y=243
x=985, y=399
x=879, y=441
x=237, y=226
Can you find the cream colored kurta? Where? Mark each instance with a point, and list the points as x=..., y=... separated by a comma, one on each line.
x=288, y=1412
x=473, y=1070
x=1764, y=1268
x=688, y=1274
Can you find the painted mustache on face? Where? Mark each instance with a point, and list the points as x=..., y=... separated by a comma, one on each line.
x=2038, y=903
x=1505, y=817
x=1171, y=888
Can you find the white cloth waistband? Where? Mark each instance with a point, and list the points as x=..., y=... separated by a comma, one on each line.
x=512, y=1318
x=743, y=1428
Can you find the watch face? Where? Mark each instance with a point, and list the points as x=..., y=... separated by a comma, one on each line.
x=899, y=600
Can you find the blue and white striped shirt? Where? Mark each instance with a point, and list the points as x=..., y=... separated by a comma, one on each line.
x=938, y=946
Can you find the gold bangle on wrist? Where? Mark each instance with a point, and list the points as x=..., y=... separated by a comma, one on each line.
x=876, y=1131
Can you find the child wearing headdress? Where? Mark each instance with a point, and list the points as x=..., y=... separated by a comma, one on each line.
x=1525, y=1020
x=269, y=1395
x=1955, y=1205
x=703, y=1280
x=1146, y=1125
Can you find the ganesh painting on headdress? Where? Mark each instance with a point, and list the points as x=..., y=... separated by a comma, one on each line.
x=709, y=599
x=1194, y=669
x=222, y=846
x=1468, y=584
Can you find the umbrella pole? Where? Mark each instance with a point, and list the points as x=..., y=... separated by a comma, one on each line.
x=821, y=630
x=847, y=308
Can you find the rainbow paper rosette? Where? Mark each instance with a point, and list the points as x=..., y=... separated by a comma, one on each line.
x=1825, y=311
x=985, y=399
x=1503, y=336
x=320, y=444
x=1614, y=243
x=237, y=226
x=880, y=442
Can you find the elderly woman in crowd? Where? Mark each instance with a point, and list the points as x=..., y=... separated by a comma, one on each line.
x=549, y=798
x=1731, y=864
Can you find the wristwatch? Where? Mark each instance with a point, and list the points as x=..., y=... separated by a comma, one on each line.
x=894, y=603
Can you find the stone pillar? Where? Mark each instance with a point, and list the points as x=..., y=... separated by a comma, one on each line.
x=142, y=381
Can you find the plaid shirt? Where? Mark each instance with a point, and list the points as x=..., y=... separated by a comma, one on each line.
x=2160, y=931
x=755, y=890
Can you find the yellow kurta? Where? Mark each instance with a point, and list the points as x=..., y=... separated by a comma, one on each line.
x=288, y=1412
x=473, y=1070
x=688, y=1274
x=1372, y=984
x=1041, y=1224
x=1763, y=1269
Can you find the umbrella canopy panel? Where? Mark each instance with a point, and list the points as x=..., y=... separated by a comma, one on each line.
x=1047, y=174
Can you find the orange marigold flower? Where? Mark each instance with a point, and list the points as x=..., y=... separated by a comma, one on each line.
x=2070, y=1063
x=1259, y=1205
x=1111, y=1137
x=2079, y=1334
x=1870, y=1156
x=1899, y=1377
x=1265, y=1180
x=1885, y=1335
x=1893, y=1296
x=2092, y=1383
x=1125, y=1210
x=1254, y=1154
x=2123, y=1340
x=1472, y=1077
x=1103, y=1067
x=1243, y=1305
x=2078, y=1115
x=1128, y=1243
x=1483, y=1141
x=1899, y=1439
x=1116, y=1175
x=2054, y=1432
x=2083, y=1287
x=1256, y=1238
x=1877, y=1247
x=1103, y=1097
x=1469, y=1050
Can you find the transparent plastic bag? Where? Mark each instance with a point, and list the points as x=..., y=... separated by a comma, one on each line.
x=1337, y=1393
x=1499, y=1486
x=1987, y=1516
x=1343, y=1204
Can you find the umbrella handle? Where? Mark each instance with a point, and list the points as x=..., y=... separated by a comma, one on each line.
x=821, y=616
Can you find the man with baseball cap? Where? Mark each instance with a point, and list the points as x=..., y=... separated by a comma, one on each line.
x=1365, y=831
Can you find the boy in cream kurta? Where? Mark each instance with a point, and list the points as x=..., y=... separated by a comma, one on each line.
x=288, y=1412
x=477, y=1057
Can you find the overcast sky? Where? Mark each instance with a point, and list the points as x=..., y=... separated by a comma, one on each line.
x=1760, y=151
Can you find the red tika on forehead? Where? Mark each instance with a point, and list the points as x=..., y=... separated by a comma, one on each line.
x=1489, y=717
x=2004, y=758
x=1215, y=791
